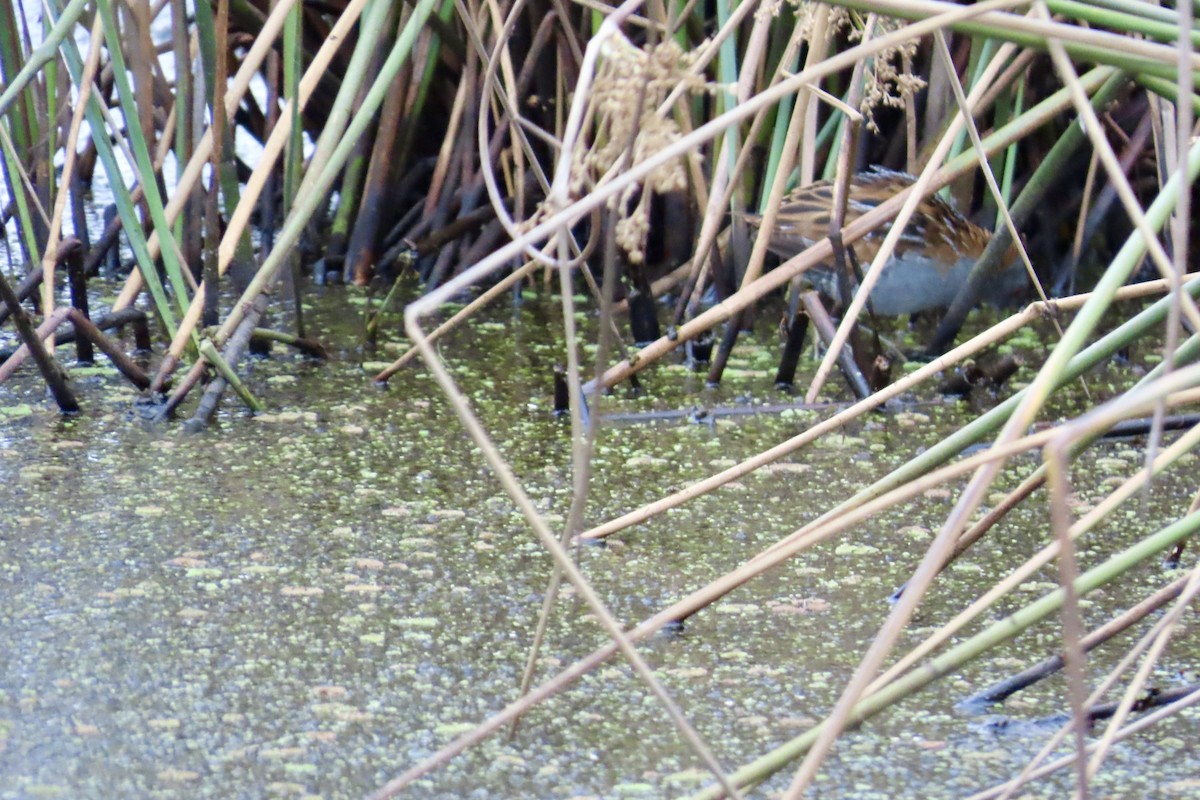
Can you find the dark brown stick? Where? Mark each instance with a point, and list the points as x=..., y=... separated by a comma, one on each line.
x=70, y=252
x=107, y=246
x=375, y=206
x=797, y=331
x=998, y=692
x=56, y=379
x=1153, y=698
x=826, y=330
x=134, y=317
x=27, y=289
x=86, y=329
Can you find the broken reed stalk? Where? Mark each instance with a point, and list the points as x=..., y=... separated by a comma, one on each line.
x=309, y=347
x=234, y=349
x=460, y=316
x=86, y=329
x=496, y=290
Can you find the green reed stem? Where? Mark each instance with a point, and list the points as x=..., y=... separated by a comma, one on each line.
x=121, y=196
x=185, y=136
x=1096, y=53
x=1123, y=21
x=783, y=113
x=1166, y=89
x=12, y=173
x=1148, y=10
x=43, y=53
x=144, y=167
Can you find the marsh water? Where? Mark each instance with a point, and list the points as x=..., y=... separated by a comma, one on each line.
x=308, y=602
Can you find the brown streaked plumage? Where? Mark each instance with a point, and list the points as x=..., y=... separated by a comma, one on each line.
x=930, y=263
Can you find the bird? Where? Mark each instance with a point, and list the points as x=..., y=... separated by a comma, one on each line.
x=932, y=258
